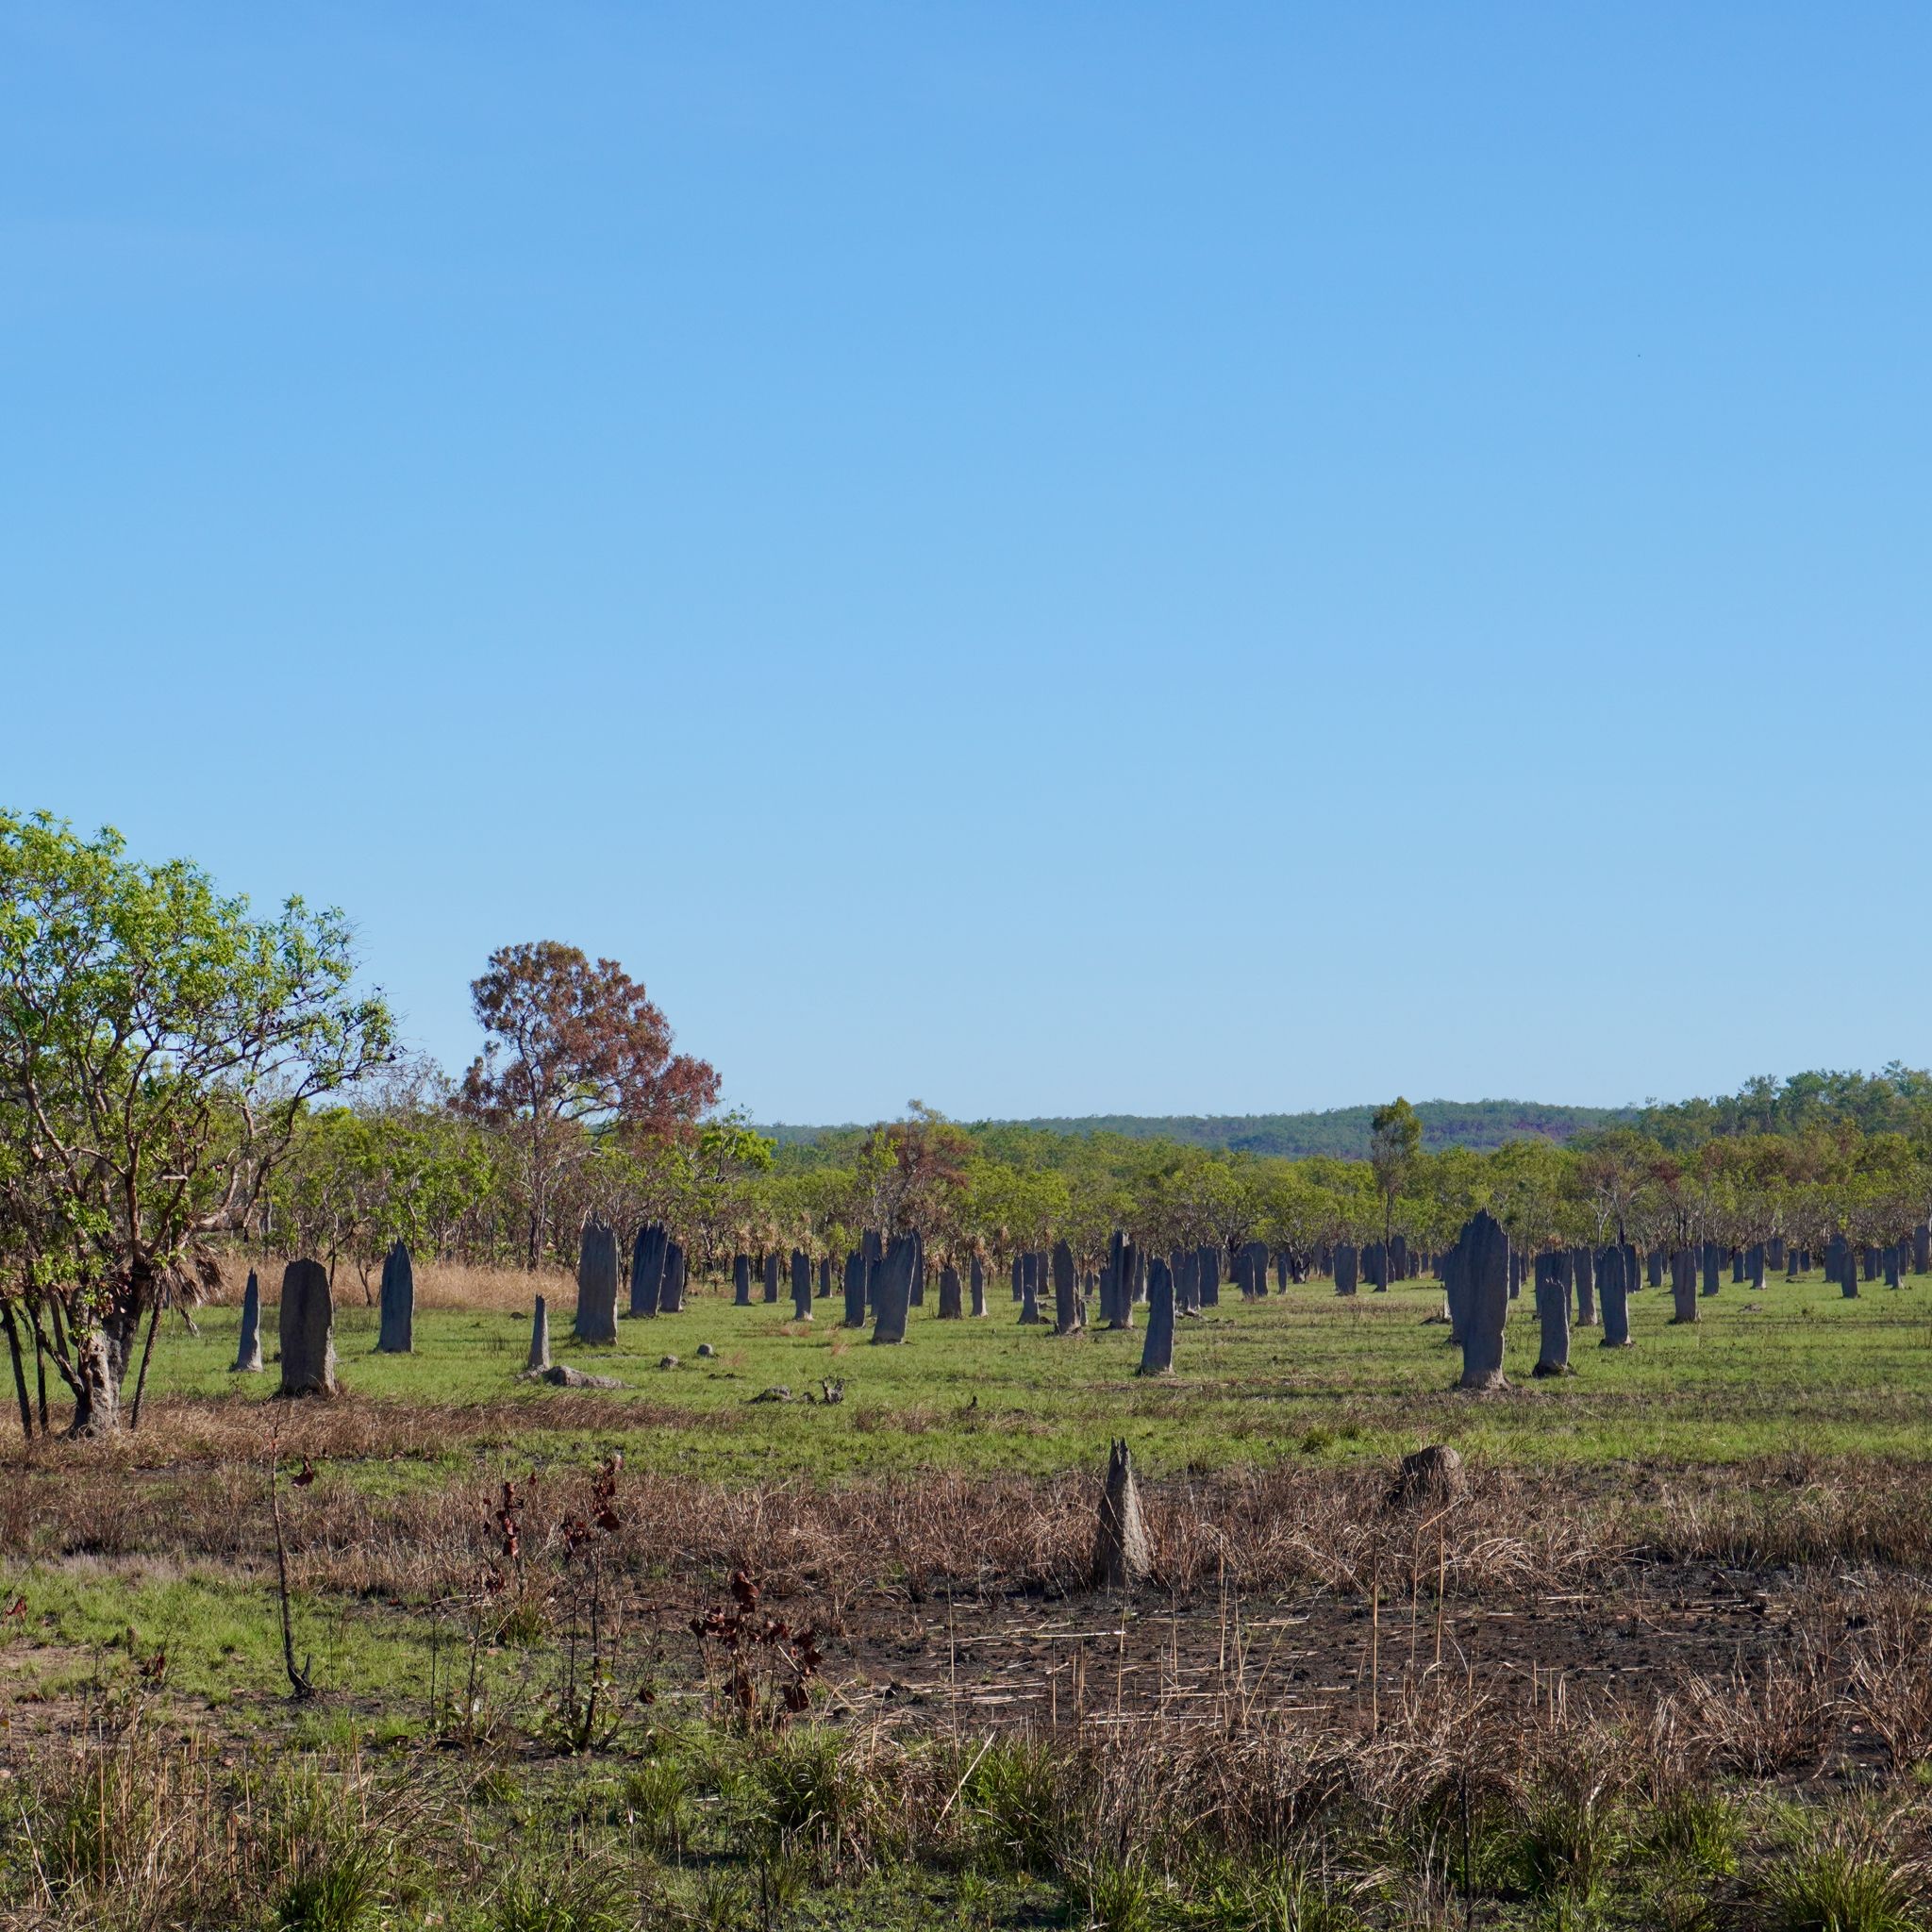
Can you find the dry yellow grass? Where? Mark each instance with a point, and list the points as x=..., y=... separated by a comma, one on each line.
x=439, y=1284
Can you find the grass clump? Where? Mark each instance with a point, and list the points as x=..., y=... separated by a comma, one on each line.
x=1015, y=1795
x=586, y=1896
x=1843, y=1878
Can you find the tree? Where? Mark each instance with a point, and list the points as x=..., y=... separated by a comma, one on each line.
x=158, y=1047
x=1395, y=1138
x=911, y=1172
x=567, y=1045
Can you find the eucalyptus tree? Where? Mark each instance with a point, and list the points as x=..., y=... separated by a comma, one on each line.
x=1395, y=1141
x=1530, y=1191
x=1010, y=1210
x=1444, y=1191
x=713, y=1190
x=907, y=1172
x=572, y=1044
x=158, y=1045
x=1608, y=1171
x=1294, y=1210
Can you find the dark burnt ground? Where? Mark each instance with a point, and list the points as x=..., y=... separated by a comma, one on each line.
x=1023, y=1660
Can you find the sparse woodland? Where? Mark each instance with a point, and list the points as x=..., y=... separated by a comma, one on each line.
x=724, y=1617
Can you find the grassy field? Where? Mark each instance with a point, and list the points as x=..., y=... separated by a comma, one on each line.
x=1795, y=1366
x=1668, y=1663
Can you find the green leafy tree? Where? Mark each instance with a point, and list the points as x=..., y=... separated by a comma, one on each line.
x=1395, y=1139
x=157, y=1046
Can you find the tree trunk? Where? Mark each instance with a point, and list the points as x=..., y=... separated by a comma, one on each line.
x=101, y=1354
x=26, y=1413
x=41, y=1376
x=147, y=1354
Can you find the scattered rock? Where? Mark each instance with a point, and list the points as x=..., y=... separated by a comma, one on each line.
x=561, y=1375
x=667, y=1361
x=706, y=1351
x=831, y=1392
x=780, y=1393
x=1434, y=1475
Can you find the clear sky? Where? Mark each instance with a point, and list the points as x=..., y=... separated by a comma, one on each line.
x=1045, y=557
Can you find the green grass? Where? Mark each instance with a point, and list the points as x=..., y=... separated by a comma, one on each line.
x=219, y=1636
x=1306, y=1373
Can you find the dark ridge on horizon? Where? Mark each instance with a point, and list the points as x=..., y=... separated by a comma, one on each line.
x=1341, y=1131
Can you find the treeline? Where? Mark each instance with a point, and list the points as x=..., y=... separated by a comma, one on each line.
x=414, y=1166
x=1343, y=1132
x=1898, y=1100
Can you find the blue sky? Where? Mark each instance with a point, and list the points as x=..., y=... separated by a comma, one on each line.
x=1187, y=557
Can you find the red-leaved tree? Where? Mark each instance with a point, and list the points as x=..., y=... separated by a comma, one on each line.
x=569, y=1045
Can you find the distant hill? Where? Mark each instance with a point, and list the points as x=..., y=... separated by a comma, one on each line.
x=1342, y=1130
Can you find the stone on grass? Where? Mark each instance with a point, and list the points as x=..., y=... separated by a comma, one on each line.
x=396, y=1333
x=1612, y=1280
x=1066, y=1304
x=308, y=1325
x=1029, y=1290
x=1485, y=1257
x=596, y=1317
x=893, y=1289
x=1207, y=1283
x=667, y=1361
x=1684, y=1285
x=539, y=1338
x=647, y=1268
x=248, y=1349
x=1553, y=1317
x=1123, y=1556
x=1455, y=1290
x=706, y=1351
x=1583, y=1279
x=1156, y=1351
x=1184, y=1266
x=1258, y=1268
x=561, y=1375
